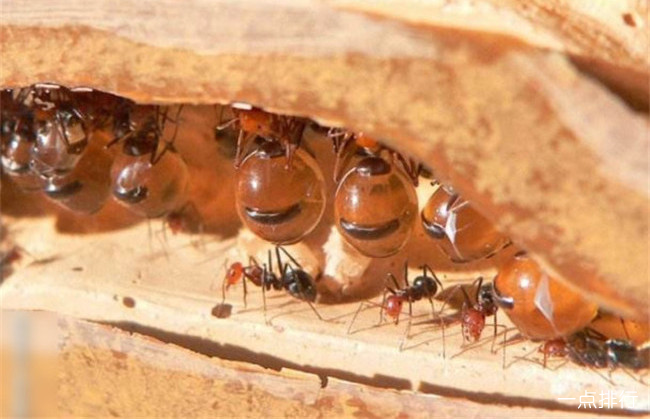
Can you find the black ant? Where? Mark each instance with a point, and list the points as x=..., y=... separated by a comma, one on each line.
x=292, y=278
x=424, y=286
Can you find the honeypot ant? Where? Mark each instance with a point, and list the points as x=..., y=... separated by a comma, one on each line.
x=540, y=306
x=252, y=122
x=280, y=204
x=65, y=119
x=292, y=278
x=373, y=189
x=18, y=138
x=460, y=231
x=148, y=181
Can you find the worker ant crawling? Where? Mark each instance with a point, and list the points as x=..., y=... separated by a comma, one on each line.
x=594, y=350
x=424, y=286
x=291, y=277
x=475, y=310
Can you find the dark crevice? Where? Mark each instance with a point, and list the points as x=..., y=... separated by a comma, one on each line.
x=628, y=84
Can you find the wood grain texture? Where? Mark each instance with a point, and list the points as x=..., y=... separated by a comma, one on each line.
x=558, y=161
x=105, y=372
x=171, y=289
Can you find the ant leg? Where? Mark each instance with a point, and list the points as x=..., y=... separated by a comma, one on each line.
x=342, y=158
x=264, y=297
x=627, y=334
x=383, y=304
x=433, y=307
x=295, y=262
x=311, y=305
x=223, y=283
x=354, y=318
x=244, y=279
x=118, y=139
x=243, y=140
x=406, y=274
x=407, y=332
x=392, y=278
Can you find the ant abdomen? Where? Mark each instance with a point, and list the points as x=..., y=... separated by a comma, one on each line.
x=375, y=206
x=460, y=231
x=299, y=284
x=150, y=189
x=277, y=203
x=87, y=187
x=149, y=177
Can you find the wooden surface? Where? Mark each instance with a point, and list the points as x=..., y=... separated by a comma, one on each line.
x=171, y=292
x=103, y=371
x=557, y=160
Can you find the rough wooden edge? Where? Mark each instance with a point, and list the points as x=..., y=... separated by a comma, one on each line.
x=103, y=371
x=368, y=74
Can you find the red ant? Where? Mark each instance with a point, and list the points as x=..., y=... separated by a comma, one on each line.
x=292, y=277
x=475, y=311
x=424, y=286
x=252, y=122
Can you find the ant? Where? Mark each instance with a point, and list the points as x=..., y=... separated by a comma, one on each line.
x=594, y=350
x=473, y=314
x=374, y=190
x=424, y=286
x=253, y=122
x=365, y=145
x=460, y=231
x=475, y=311
x=142, y=180
x=292, y=278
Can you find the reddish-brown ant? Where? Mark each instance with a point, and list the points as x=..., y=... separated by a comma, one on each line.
x=375, y=204
x=539, y=305
x=291, y=277
x=395, y=296
x=459, y=230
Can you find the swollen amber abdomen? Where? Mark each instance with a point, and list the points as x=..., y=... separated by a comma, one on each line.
x=540, y=305
x=460, y=231
x=280, y=203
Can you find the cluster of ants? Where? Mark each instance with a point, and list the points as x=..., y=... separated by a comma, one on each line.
x=57, y=140
x=280, y=197
x=375, y=209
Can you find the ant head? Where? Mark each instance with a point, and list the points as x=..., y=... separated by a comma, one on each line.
x=254, y=120
x=234, y=274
